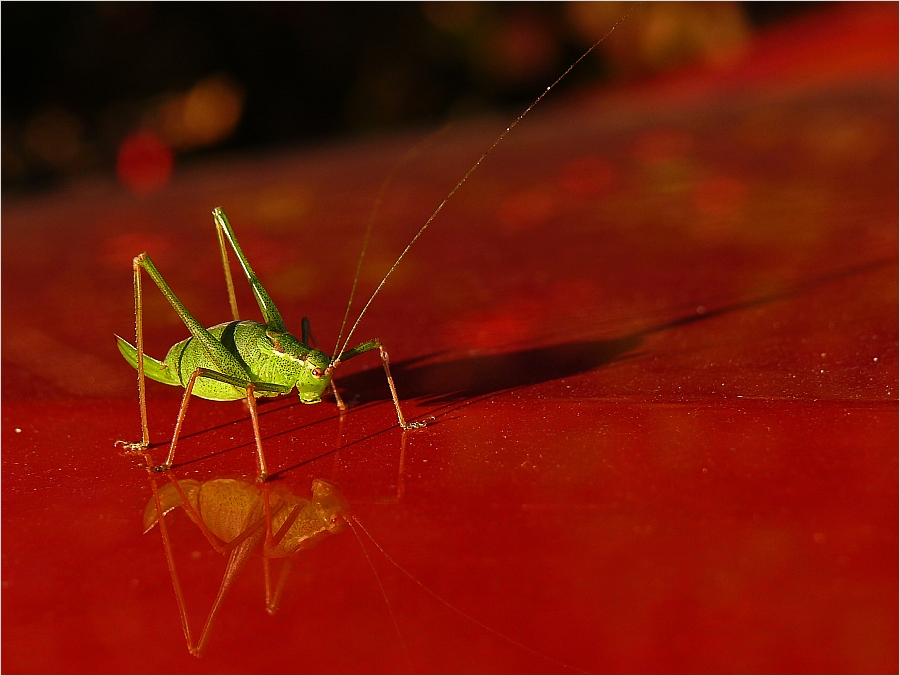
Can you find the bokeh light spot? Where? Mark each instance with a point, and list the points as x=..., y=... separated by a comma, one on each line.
x=204, y=116
x=212, y=110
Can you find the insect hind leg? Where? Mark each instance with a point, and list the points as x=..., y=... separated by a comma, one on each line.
x=225, y=366
x=137, y=448
x=269, y=312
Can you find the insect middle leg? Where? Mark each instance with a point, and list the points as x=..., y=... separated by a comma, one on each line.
x=250, y=387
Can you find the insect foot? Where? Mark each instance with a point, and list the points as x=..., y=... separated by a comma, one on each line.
x=132, y=448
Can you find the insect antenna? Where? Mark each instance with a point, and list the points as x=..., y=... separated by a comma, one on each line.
x=350, y=521
x=459, y=184
x=412, y=153
x=353, y=520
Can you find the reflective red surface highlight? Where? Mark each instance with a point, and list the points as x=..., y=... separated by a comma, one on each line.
x=665, y=433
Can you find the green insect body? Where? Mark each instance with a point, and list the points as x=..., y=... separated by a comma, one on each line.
x=236, y=359
x=265, y=356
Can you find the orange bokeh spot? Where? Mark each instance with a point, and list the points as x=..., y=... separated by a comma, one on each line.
x=144, y=162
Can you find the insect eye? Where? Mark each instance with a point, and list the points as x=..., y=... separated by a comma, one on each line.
x=317, y=372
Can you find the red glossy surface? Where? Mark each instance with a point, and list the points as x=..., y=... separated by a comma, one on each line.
x=657, y=332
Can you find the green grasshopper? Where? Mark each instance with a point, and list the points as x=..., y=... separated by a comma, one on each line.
x=247, y=360
x=237, y=359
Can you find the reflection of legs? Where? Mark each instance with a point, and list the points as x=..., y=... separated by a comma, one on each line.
x=170, y=560
x=236, y=562
x=400, y=486
x=274, y=599
x=401, y=481
x=239, y=549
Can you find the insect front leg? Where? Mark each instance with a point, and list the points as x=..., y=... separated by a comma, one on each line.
x=337, y=397
x=375, y=344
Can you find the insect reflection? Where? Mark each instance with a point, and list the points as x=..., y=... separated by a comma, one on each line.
x=236, y=517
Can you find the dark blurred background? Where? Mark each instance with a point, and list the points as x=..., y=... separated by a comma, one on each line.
x=92, y=89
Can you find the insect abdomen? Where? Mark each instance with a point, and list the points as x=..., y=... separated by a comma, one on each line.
x=242, y=340
x=188, y=355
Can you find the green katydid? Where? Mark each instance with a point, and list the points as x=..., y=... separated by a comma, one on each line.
x=237, y=359
x=247, y=360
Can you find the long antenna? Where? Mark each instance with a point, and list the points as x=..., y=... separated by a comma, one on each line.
x=418, y=148
x=469, y=173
